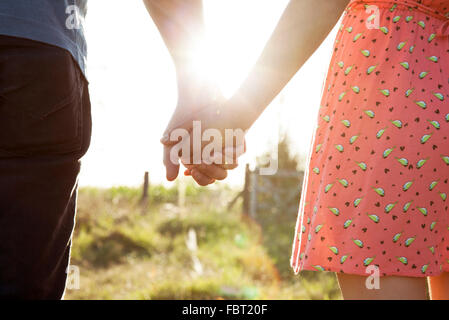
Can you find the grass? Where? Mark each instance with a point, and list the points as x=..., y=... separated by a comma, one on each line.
x=127, y=251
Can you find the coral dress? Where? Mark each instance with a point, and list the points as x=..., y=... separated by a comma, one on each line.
x=377, y=178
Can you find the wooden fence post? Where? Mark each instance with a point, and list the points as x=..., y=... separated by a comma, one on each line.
x=246, y=191
x=253, y=194
x=146, y=185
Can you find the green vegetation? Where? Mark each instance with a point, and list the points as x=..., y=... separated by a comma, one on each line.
x=127, y=251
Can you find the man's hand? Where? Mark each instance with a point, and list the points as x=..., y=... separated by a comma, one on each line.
x=208, y=142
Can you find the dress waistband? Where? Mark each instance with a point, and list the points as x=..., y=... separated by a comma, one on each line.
x=443, y=28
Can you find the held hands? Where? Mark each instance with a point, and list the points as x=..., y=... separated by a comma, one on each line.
x=204, y=136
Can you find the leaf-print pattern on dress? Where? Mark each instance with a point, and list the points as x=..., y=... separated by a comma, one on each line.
x=378, y=175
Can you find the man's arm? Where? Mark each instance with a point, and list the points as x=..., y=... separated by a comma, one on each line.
x=181, y=25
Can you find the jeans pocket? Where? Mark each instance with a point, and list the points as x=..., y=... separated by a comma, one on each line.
x=40, y=101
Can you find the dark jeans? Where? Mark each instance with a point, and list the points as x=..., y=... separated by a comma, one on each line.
x=45, y=128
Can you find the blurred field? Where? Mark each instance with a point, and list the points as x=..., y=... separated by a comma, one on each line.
x=127, y=252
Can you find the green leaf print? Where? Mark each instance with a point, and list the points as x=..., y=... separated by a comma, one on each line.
x=403, y=260
x=432, y=225
x=346, y=123
x=405, y=65
x=433, y=184
x=357, y=36
x=380, y=133
x=387, y=152
x=409, y=92
x=353, y=139
x=334, y=249
x=371, y=69
x=369, y=113
x=358, y=243
x=357, y=202
x=362, y=165
x=434, y=123
x=348, y=69
x=433, y=58
x=385, y=92
x=328, y=187
x=401, y=45
x=379, y=191
x=407, y=206
x=339, y=147
x=422, y=24
x=425, y=137
x=319, y=268
x=407, y=185
x=347, y=223
x=356, y=89
x=390, y=206
x=366, y=53
x=445, y=159
x=397, y=123
x=423, y=210
x=344, y=182
x=368, y=261
x=423, y=74
x=421, y=162
x=341, y=96
x=373, y=217
x=343, y=259
x=402, y=161
x=424, y=268
x=438, y=95
x=335, y=211
x=397, y=236
x=396, y=19
x=384, y=30
x=409, y=241
x=422, y=104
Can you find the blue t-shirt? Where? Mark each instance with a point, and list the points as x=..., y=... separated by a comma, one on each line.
x=56, y=22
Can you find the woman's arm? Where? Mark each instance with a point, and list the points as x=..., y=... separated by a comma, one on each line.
x=302, y=28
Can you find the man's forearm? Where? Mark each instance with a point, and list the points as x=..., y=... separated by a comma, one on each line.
x=181, y=25
x=302, y=28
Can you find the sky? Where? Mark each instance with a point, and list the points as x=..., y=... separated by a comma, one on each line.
x=133, y=89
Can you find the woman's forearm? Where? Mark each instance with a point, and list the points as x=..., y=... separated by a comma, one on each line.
x=302, y=28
